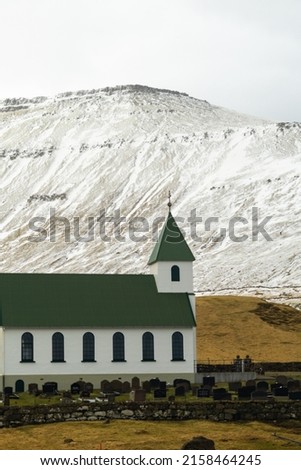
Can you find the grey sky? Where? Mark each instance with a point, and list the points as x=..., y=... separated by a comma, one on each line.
x=240, y=54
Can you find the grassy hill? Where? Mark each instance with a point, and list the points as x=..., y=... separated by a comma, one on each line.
x=232, y=325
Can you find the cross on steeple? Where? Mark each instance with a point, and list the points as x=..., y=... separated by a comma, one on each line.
x=169, y=201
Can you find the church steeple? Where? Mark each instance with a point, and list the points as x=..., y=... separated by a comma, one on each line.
x=171, y=259
x=171, y=245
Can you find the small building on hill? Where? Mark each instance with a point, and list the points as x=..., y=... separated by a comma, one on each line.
x=68, y=327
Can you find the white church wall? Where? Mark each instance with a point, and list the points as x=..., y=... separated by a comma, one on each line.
x=73, y=364
x=1, y=352
x=162, y=272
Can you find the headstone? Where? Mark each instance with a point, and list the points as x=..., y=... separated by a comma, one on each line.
x=116, y=386
x=180, y=391
x=126, y=387
x=163, y=386
x=154, y=383
x=282, y=379
x=293, y=385
x=50, y=388
x=158, y=393
x=183, y=382
x=259, y=395
x=244, y=393
x=88, y=387
x=295, y=395
x=135, y=383
x=262, y=385
x=281, y=392
x=75, y=389
x=32, y=388
x=203, y=393
x=81, y=384
x=234, y=386
x=8, y=390
x=195, y=389
x=146, y=386
x=105, y=386
x=84, y=394
x=220, y=394
x=67, y=394
x=137, y=395
x=209, y=381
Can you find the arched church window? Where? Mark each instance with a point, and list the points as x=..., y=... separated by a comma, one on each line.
x=118, y=347
x=27, y=347
x=177, y=347
x=58, y=347
x=148, y=346
x=175, y=273
x=88, y=347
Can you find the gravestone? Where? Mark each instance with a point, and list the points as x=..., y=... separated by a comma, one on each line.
x=158, y=393
x=146, y=386
x=84, y=394
x=88, y=387
x=244, y=393
x=234, y=386
x=81, y=384
x=259, y=395
x=126, y=387
x=154, y=383
x=180, y=391
x=209, y=381
x=262, y=385
x=220, y=394
x=137, y=395
x=50, y=388
x=33, y=388
x=203, y=393
x=105, y=386
x=135, y=383
x=75, y=389
x=184, y=382
x=293, y=385
x=8, y=390
x=195, y=389
x=295, y=395
x=163, y=386
x=281, y=379
x=116, y=386
x=280, y=391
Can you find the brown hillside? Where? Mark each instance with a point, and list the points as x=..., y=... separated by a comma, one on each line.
x=232, y=325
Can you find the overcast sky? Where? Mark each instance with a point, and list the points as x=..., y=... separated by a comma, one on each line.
x=240, y=54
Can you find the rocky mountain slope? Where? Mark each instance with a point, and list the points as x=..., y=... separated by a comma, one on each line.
x=94, y=156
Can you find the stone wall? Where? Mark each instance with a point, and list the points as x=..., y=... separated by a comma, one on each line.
x=12, y=416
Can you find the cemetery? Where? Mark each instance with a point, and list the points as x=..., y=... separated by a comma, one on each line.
x=275, y=398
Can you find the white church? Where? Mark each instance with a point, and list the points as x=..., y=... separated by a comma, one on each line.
x=66, y=327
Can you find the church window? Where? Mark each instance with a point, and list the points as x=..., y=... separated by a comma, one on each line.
x=175, y=273
x=148, y=347
x=58, y=347
x=88, y=347
x=118, y=347
x=177, y=347
x=27, y=347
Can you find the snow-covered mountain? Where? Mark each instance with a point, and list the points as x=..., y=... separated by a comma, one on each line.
x=118, y=151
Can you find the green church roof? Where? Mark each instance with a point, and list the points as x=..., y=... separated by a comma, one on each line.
x=171, y=245
x=89, y=300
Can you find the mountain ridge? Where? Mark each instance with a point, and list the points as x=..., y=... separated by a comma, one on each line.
x=121, y=149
